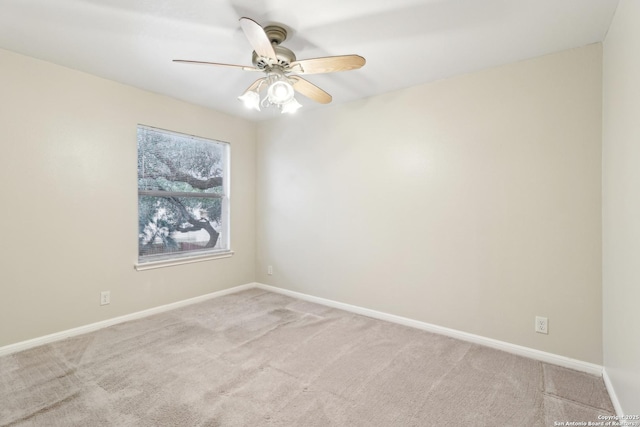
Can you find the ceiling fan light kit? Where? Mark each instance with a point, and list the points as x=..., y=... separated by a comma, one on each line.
x=280, y=93
x=282, y=70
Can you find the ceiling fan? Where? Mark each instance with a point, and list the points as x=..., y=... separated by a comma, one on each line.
x=282, y=70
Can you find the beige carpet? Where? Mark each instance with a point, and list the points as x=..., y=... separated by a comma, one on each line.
x=257, y=358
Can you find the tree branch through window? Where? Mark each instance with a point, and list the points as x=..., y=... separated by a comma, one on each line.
x=171, y=167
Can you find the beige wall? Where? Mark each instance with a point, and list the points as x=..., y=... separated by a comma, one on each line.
x=472, y=203
x=621, y=204
x=69, y=199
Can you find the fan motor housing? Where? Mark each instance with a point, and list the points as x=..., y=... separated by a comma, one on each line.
x=284, y=56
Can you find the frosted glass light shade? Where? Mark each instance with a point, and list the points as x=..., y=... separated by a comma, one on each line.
x=251, y=100
x=291, y=106
x=280, y=92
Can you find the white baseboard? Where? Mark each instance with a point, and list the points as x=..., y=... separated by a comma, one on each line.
x=542, y=356
x=477, y=339
x=612, y=393
x=24, y=345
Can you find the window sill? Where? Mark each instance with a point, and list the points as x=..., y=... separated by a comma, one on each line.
x=149, y=265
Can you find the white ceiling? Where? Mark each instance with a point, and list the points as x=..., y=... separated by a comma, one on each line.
x=405, y=42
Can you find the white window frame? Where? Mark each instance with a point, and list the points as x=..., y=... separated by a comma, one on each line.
x=146, y=262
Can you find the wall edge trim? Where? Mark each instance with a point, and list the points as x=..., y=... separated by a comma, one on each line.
x=539, y=355
x=531, y=353
x=612, y=392
x=80, y=330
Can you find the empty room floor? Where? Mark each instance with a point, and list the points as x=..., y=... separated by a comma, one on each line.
x=257, y=358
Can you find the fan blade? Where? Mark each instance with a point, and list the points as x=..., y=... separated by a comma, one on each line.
x=310, y=90
x=328, y=64
x=242, y=67
x=257, y=38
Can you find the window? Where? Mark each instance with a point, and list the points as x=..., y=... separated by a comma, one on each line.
x=183, y=196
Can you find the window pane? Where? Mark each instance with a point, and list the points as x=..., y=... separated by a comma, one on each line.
x=178, y=224
x=182, y=205
x=172, y=162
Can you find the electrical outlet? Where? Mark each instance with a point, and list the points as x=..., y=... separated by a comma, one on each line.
x=105, y=297
x=269, y=270
x=542, y=325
